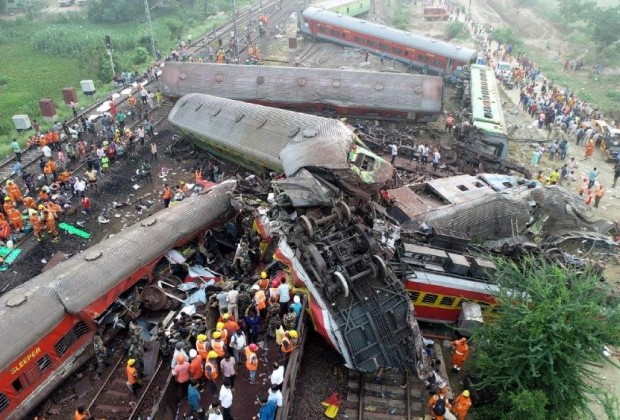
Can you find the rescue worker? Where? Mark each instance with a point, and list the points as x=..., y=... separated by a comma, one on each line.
x=251, y=361
x=8, y=205
x=461, y=405
x=273, y=317
x=81, y=413
x=5, y=229
x=181, y=373
x=30, y=203
x=217, y=344
x=202, y=346
x=100, y=353
x=166, y=195
x=460, y=354
x=37, y=224
x=211, y=372
x=13, y=191
x=439, y=406
x=50, y=223
x=196, y=369
x=15, y=217
x=263, y=282
x=598, y=194
x=224, y=333
x=230, y=326
x=133, y=379
x=288, y=346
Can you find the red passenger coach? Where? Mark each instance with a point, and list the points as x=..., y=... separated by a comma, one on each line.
x=47, y=323
x=437, y=57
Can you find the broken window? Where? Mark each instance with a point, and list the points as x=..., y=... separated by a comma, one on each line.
x=17, y=385
x=34, y=372
x=364, y=162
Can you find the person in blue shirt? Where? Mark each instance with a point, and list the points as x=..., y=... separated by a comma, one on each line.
x=267, y=410
x=296, y=305
x=194, y=396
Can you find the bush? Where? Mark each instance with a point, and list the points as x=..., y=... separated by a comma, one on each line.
x=140, y=55
x=506, y=36
x=456, y=29
x=175, y=27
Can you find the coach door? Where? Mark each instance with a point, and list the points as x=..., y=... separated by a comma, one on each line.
x=448, y=68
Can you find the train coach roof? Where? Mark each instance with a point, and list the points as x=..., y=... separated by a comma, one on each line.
x=298, y=85
x=30, y=311
x=442, y=48
x=285, y=139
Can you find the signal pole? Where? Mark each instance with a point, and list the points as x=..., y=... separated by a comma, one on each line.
x=108, y=45
x=147, y=10
x=235, y=51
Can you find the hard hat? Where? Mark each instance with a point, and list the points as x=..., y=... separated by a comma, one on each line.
x=219, y=326
x=225, y=316
x=201, y=337
x=131, y=362
x=41, y=206
x=466, y=393
x=212, y=355
x=193, y=353
x=293, y=333
x=6, y=198
x=180, y=358
x=263, y=275
x=217, y=334
x=296, y=299
x=253, y=347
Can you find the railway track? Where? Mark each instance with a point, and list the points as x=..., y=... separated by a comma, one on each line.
x=395, y=396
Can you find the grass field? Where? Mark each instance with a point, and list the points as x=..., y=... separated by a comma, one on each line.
x=31, y=74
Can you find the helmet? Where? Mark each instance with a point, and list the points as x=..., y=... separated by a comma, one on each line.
x=180, y=358
x=217, y=334
x=296, y=299
x=293, y=333
x=131, y=362
x=212, y=355
x=201, y=337
x=219, y=326
x=6, y=198
x=253, y=347
x=225, y=316
x=41, y=206
x=193, y=353
x=263, y=275
x=466, y=393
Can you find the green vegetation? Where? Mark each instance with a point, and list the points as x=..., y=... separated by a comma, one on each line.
x=550, y=328
x=400, y=18
x=46, y=56
x=507, y=36
x=457, y=29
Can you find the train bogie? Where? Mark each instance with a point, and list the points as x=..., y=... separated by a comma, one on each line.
x=431, y=55
x=326, y=92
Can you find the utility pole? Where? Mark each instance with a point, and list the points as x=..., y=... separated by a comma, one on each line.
x=147, y=10
x=469, y=9
x=235, y=51
x=108, y=45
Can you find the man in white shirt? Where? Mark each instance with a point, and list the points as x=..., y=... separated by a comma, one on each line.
x=394, y=151
x=47, y=152
x=237, y=343
x=226, y=399
x=274, y=394
x=233, y=309
x=277, y=376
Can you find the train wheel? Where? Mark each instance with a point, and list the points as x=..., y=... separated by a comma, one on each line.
x=338, y=278
x=380, y=266
x=450, y=157
x=308, y=224
x=345, y=211
x=154, y=298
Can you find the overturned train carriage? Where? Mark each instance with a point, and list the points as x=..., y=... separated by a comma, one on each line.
x=262, y=138
x=329, y=92
x=46, y=324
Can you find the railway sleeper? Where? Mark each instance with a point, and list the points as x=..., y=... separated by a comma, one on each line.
x=113, y=410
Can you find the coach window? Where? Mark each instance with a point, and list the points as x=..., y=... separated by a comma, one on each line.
x=322, y=29
x=371, y=43
x=447, y=301
x=364, y=162
x=429, y=299
x=71, y=337
x=423, y=58
x=438, y=62
x=383, y=47
x=415, y=295
x=397, y=51
x=4, y=402
x=358, y=40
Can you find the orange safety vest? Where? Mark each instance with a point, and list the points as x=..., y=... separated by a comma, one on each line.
x=289, y=348
x=131, y=375
x=195, y=368
x=251, y=361
x=259, y=296
x=214, y=372
x=29, y=202
x=167, y=193
x=599, y=192
x=78, y=416
x=16, y=218
x=201, y=348
x=218, y=347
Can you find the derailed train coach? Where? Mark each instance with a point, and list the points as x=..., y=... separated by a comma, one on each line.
x=261, y=138
x=326, y=92
x=47, y=323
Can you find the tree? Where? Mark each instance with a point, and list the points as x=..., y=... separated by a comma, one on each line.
x=551, y=326
x=3, y=6
x=32, y=7
x=574, y=10
x=605, y=24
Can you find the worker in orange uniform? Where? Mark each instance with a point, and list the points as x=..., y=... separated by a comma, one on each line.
x=202, y=346
x=460, y=354
x=461, y=405
x=263, y=282
x=230, y=325
x=181, y=373
x=221, y=55
x=37, y=224
x=223, y=332
x=166, y=195
x=589, y=148
x=81, y=413
x=5, y=229
x=133, y=378
x=211, y=372
x=217, y=344
x=50, y=223
x=8, y=205
x=439, y=406
x=30, y=203
x=13, y=191
x=15, y=217
x=288, y=346
x=196, y=370
x=251, y=361
x=599, y=192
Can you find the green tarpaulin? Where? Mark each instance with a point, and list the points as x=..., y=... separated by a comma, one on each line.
x=74, y=231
